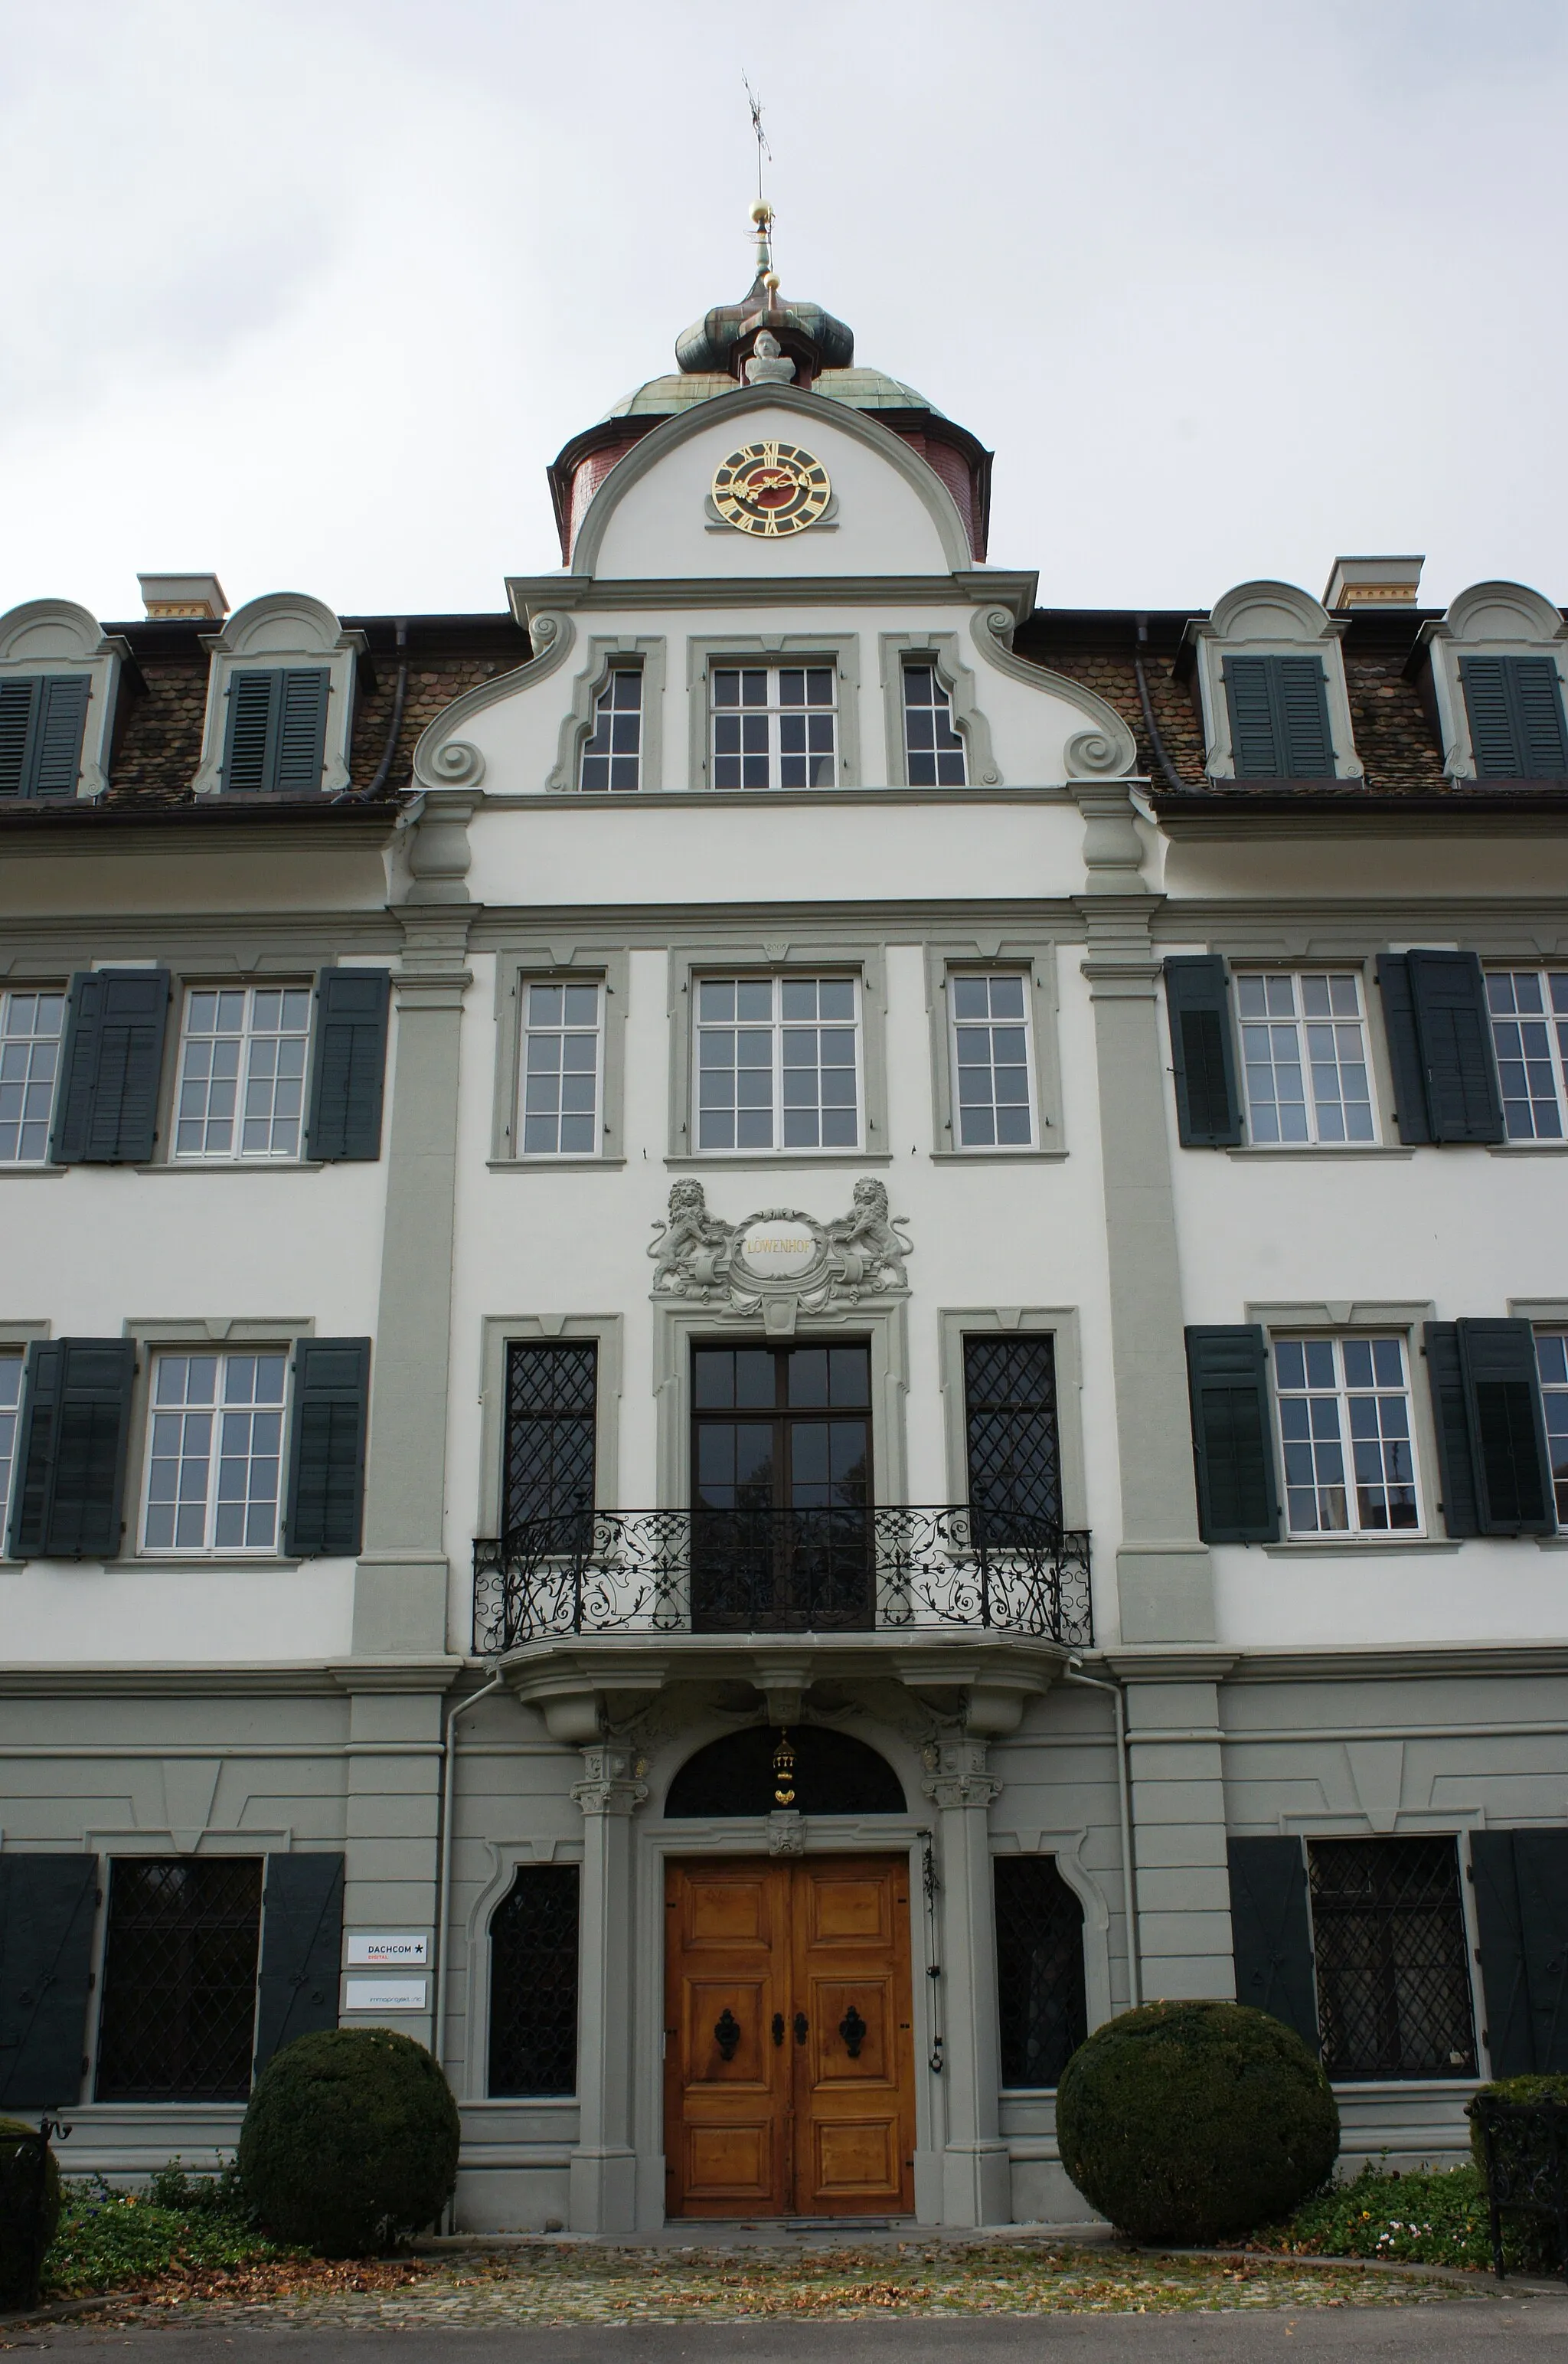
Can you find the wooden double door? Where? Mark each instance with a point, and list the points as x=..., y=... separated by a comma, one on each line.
x=788, y=2050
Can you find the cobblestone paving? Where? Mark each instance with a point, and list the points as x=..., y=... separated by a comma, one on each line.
x=567, y=2283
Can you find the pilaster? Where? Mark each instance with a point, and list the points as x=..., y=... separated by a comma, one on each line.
x=1178, y=1811
x=603, y=2164
x=391, y=1812
x=975, y=2166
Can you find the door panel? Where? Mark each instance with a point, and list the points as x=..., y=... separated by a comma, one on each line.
x=813, y=2112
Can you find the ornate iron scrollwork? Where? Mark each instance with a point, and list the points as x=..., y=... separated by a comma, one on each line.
x=855, y=2030
x=726, y=2032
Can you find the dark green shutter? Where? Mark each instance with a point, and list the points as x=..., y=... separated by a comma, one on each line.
x=1271, y=1933
x=1453, y=1029
x=1254, y=740
x=1404, y=1047
x=1304, y=713
x=41, y=722
x=348, y=1063
x=1521, y=1912
x=1233, y=1447
x=70, y=1448
x=1514, y=705
x=1197, y=996
x=106, y=1112
x=1540, y=1864
x=302, y=1944
x=17, y=699
x=277, y=731
x=326, y=1446
x=1279, y=718
x=1507, y=1428
x=46, y=1908
x=1456, y=1458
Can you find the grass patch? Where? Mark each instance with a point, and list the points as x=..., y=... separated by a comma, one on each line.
x=1430, y=2217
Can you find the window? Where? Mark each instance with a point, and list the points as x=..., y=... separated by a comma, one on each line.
x=180, y=1961
x=1013, y=1451
x=1514, y=705
x=12, y=1366
x=552, y=1409
x=533, y=1984
x=561, y=1069
x=31, y=1028
x=1304, y=1050
x=612, y=754
x=41, y=722
x=933, y=749
x=1344, y=1407
x=774, y=726
x=215, y=1453
x=1392, y=1961
x=1279, y=718
x=777, y=1061
x=1551, y=1362
x=1529, y=1035
x=277, y=731
x=991, y=1061
x=242, y=1061
x=1042, y=2014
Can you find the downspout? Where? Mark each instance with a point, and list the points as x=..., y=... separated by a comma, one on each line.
x=444, y=1843
x=1172, y=776
x=1073, y=1673
x=383, y=769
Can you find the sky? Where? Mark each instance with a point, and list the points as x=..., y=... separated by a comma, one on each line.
x=310, y=291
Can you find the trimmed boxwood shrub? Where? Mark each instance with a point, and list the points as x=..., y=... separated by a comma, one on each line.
x=350, y=2141
x=14, y=2231
x=1193, y=2122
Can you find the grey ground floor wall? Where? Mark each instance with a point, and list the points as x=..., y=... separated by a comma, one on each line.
x=352, y=1761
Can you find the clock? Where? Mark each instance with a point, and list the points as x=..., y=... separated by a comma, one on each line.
x=771, y=489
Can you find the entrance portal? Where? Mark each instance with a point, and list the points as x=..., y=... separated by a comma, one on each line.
x=789, y=2056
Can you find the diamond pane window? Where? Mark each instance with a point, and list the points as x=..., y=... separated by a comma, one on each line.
x=1551, y=1362
x=562, y=1065
x=774, y=726
x=533, y=1984
x=11, y=1368
x=989, y=1022
x=551, y=1407
x=242, y=1063
x=1349, y=1462
x=612, y=754
x=1041, y=2009
x=30, y=1027
x=179, y=1960
x=778, y=1062
x=933, y=749
x=1529, y=1035
x=1014, y=1449
x=1392, y=1968
x=215, y=1446
x=1304, y=1051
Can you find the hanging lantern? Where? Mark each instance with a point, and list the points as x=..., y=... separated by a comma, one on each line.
x=783, y=1772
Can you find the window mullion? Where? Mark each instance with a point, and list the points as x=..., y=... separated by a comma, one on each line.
x=777, y=1038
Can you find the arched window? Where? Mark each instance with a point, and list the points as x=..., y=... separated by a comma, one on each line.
x=1039, y=1970
x=533, y=1984
x=832, y=1774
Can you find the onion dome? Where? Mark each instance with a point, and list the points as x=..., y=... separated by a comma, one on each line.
x=725, y=337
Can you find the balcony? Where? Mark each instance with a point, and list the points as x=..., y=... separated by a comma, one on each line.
x=905, y=1569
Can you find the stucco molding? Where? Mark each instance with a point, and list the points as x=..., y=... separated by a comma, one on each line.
x=1269, y=619
x=745, y=403
x=444, y=758
x=516, y=966
x=647, y=649
x=1495, y=619
x=1106, y=748
x=958, y=680
x=532, y=595
x=281, y=627
x=841, y=649
x=704, y=1260
x=56, y=636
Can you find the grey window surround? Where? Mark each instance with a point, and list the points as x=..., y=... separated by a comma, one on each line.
x=508, y=1858
x=1036, y=955
x=954, y=1323
x=202, y=1334
x=536, y=963
x=777, y=956
x=841, y=650
x=1405, y=1316
x=497, y=1331
x=939, y=649
x=647, y=651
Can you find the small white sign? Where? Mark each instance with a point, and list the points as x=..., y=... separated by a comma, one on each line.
x=778, y=1251
x=390, y=1951
x=386, y=1994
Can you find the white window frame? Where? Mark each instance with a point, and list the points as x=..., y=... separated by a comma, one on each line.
x=235, y=1154
x=221, y=1356
x=603, y=706
x=11, y=1425
x=1555, y=1022
x=566, y=982
x=1353, y=1534
x=7, y=1041
x=941, y=704
x=829, y=971
x=1316, y=1138
x=1552, y=1388
x=774, y=714
x=957, y=978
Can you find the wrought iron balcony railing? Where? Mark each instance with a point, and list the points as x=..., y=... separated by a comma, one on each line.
x=842, y=1570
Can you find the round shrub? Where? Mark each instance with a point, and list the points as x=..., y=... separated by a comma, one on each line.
x=1513, y=2089
x=349, y=2142
x=1193, y=2122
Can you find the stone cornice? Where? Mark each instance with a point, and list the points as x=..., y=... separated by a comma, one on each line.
x=535, y=594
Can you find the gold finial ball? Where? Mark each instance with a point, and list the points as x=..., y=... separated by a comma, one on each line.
x=762, y=212
x=771, y=282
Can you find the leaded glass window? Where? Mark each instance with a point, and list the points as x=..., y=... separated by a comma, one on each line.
x=777, y=1062
x=612, y=752
x=990, y=1030
x=774, y=726
x=533, y=1984
x=242, y=1063
x=1393, y=1966
x=215, y=1448
x=30, y=1026
x=562, y=1069
x=1529, y=1036
x=1345, y=1425
x=1014, y=1447
x=1042, y=2010
x=552, y=1417
x=179, y=1960
x=1304, y=1052
x=933, y=749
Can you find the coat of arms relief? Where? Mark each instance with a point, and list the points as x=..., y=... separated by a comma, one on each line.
x=779, y=1256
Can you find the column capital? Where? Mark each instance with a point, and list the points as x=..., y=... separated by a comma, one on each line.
x=609, y=1785
x=961, y=1776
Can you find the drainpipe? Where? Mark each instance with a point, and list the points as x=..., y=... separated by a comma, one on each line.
x=1075, y=1674
x=1173, y=777
x=364, y=795
x=444, y=1841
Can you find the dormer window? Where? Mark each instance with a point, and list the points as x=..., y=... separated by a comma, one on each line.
x=1273, y=684
x=277, y=725
x=41, y=720
x=1279, y=718
x=59, y=682
x=280, y=701
x=1498, y=660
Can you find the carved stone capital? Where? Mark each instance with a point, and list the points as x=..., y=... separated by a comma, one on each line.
x=959, y=1774
x=610, y=1784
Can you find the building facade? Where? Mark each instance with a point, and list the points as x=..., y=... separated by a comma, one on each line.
x=854, y=1345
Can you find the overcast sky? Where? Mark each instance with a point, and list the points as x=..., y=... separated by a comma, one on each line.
x=310, y=291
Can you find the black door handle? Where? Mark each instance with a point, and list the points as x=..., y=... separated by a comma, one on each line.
x=855, y=2030
x=726, y=2032
x=778, y=2026
x=801, y=2024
